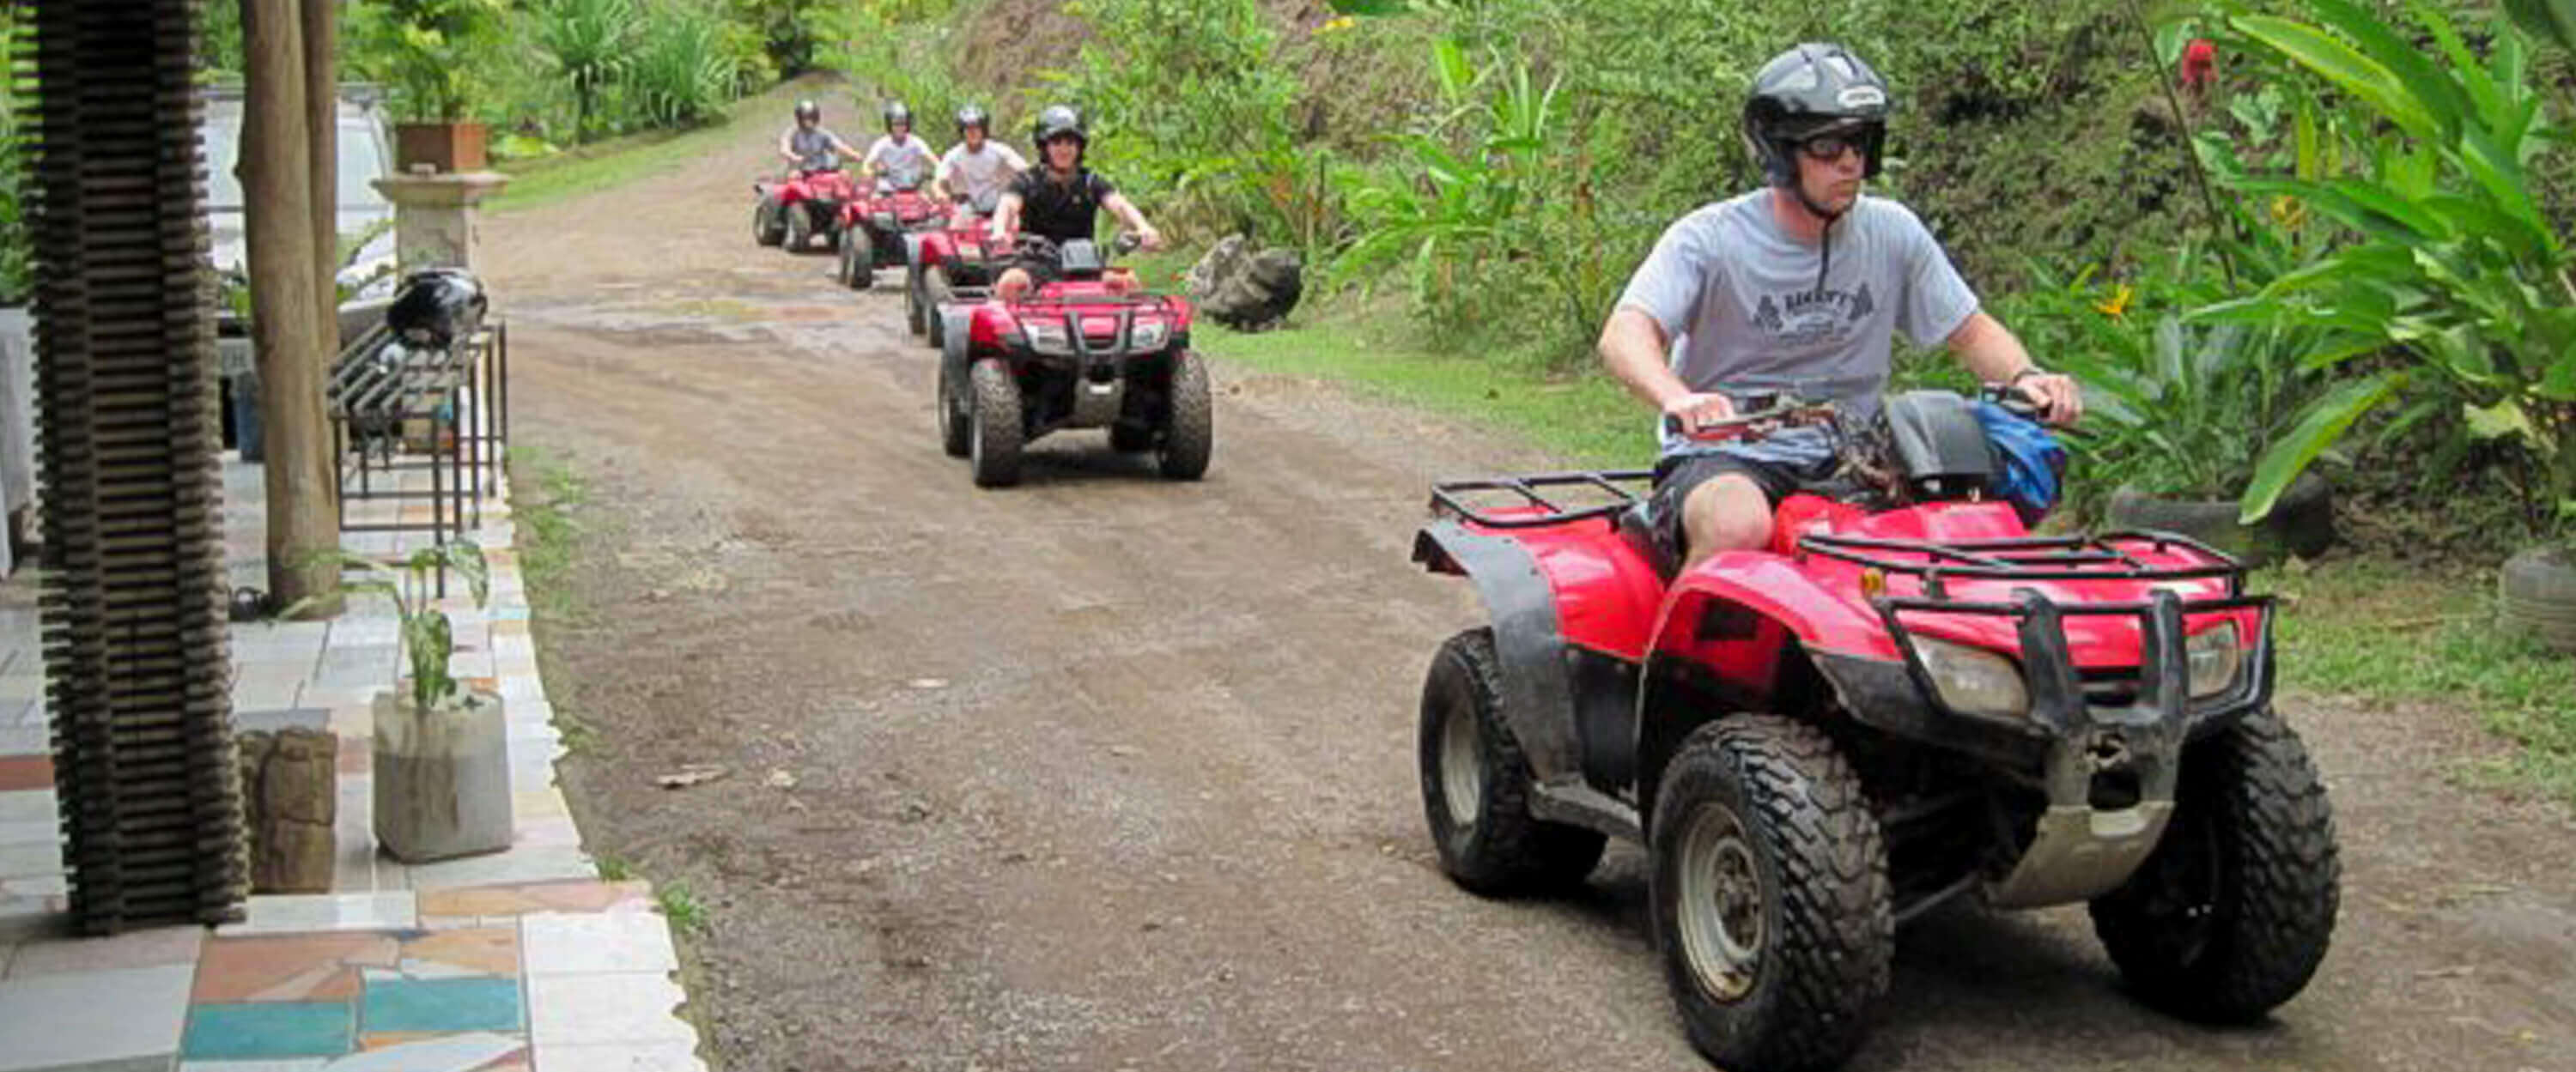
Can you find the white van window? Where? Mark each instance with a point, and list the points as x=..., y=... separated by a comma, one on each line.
x=361, y=162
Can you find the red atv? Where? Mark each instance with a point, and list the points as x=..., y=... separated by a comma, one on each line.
x=1074, y=353
x=876, y=227
x=1907, y=698
x=807, y=204
x=951, y=264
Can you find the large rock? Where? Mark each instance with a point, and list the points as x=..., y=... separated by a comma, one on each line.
x=1245, y=290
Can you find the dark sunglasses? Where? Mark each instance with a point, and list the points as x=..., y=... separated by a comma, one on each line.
x=1827, y=148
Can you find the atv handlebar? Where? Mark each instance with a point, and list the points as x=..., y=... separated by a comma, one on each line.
x=1781, y=412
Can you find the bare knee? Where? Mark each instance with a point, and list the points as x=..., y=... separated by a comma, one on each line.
x=1014, y=282
x=1729, y=513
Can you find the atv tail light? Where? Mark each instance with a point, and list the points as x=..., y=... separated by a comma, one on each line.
x=1973, y=680
x=2214, y=656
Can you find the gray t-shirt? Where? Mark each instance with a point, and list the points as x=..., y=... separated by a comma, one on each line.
x=812, y=146
x=1740, y=299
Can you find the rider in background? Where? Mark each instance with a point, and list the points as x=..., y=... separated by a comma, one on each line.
x=1059, y=201
x=807, y=145
x=1797, y=288
x=899, y=160
x=977, y=169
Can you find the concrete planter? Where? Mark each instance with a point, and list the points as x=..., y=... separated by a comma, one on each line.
x=2536, y=590
x=442, y=778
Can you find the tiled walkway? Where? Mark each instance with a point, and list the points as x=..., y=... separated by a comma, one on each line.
x=522, y=959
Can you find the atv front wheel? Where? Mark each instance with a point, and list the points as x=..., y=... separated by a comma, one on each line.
x=956, y=421
x=1769, y=895
x=767, y=226
x=994, y=438
x=1476, y=783
x=915, y=316
x=1189, y=434
x=858, y=248
x=936, y=294
x=845, y=271
x=800, y=228
x=2231, y=914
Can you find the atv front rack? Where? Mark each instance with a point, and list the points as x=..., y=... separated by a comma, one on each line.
x=1536, y=510
x=2030, y=558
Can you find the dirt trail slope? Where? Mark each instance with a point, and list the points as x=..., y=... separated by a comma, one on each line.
x=1106, y=772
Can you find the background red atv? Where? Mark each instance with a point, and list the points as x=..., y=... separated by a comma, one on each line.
x=955, y=263
x=1073, y=354
x=874, y=227
x=1905, y=699
x=806, y=204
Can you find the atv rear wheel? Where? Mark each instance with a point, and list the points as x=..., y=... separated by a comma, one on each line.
x=936, y=294
x=858, y=250
x=768, y=228
x=1189, y=432
x=2231, y=914
x=995, y=432
x=1769, y=894
x=1476, y=783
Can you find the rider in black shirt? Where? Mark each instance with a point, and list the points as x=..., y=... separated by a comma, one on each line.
x=1057, y=201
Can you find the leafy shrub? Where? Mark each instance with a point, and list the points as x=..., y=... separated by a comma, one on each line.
x=589, y=44
x=682, y=70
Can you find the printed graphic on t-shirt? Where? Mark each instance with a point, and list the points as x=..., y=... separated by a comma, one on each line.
x=1801, y=317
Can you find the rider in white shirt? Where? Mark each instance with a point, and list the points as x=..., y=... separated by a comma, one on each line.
x=899, y=160
x=977, y=169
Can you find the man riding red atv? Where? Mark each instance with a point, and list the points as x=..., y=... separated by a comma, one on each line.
x=876, y=230
x=1078, y=352
x=953, y=264
x=1821, y=668
x=807, y=202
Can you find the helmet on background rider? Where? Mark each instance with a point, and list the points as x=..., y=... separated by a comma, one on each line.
x=1812, y=91
x=896, y=112
x=1059, y=121
x=806, y=109
x=973, y=116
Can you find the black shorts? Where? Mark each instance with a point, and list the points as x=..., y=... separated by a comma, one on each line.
x=1041, y=263
x=1676, y=477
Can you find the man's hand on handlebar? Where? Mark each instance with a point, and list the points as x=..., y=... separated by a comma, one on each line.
x=1691, y=412
x=2059, y=401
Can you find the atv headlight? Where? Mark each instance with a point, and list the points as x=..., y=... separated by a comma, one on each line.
x=2213, y=657
x=1148, y=335
x=1047, y=337
x=1973, y=680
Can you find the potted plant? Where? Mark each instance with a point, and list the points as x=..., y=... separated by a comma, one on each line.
x=442, y=770
x=428, y=50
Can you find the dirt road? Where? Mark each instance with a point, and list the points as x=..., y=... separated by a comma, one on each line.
x=1104, y=772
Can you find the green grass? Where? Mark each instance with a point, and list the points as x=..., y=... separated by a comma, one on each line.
x=549, y=492
x=681, y=907
x=1583, y=416
x=2379, y=630
x=616, y=162
x=614, y=868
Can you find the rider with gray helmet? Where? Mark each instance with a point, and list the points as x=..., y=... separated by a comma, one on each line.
x=899, y=160
x=1796, y=288
x=807, y=145
x=977, y=169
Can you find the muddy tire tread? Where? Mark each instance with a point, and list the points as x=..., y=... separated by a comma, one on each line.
x=1509, y=852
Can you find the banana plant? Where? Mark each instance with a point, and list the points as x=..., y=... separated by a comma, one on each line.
x=428, y=638
x=2447, y=259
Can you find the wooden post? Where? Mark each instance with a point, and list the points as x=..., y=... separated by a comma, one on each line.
x=322, y=131
x=278, y=195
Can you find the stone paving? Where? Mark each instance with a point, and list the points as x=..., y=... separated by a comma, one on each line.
x=518, y=960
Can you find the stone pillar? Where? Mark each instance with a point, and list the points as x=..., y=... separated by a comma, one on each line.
x=436, y=223
x=291, y=779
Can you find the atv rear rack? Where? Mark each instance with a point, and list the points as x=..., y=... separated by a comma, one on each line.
x=1445, y=496
x=2030, y=558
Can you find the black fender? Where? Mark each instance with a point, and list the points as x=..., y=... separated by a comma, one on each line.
x=1537, y=685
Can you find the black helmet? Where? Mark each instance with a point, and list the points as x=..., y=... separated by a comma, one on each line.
x=806, y=109
x=1810, y=90
x=1058, y=120
x=896, y=112
x=973, y=116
